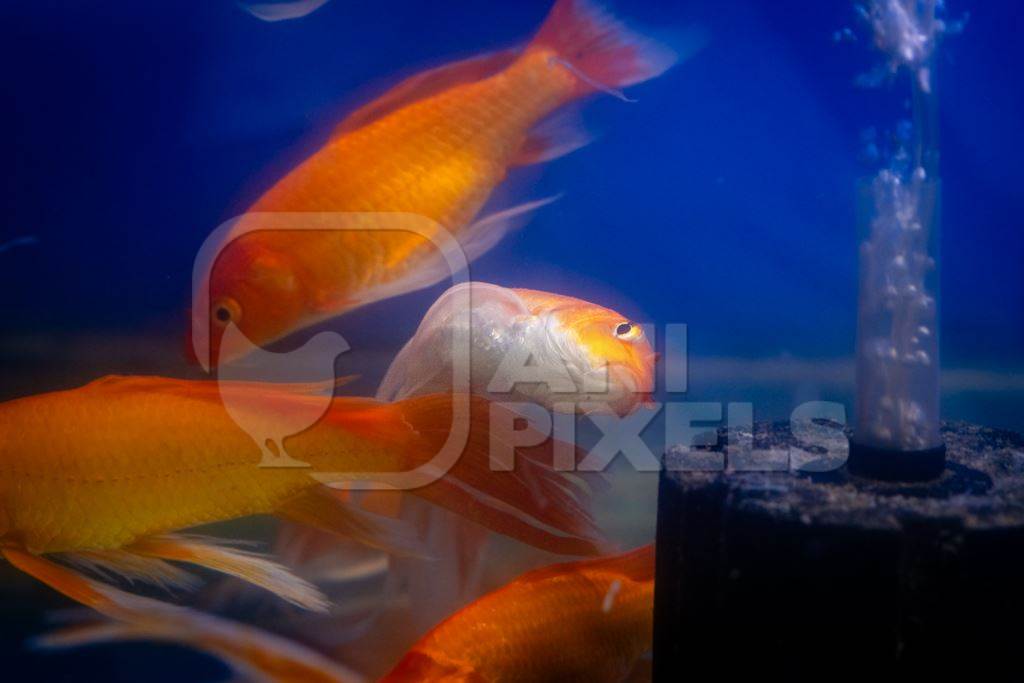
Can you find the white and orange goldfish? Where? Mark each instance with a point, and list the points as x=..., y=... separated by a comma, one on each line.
x=580, y=354
x=602, y=360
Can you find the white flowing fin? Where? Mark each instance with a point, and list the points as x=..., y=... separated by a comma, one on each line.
x=132, y=568
x=251, y=567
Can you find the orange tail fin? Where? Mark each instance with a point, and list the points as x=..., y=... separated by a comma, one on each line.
x=599, y=49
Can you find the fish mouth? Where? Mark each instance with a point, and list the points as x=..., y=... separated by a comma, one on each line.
x=629, y=390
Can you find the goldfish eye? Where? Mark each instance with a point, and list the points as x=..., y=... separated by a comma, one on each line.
x=628, y=331
x=227, y=310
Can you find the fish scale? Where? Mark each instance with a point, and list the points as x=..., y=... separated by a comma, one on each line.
x=107, y=479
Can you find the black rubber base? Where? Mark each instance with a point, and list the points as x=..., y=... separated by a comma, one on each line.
x=887, y=464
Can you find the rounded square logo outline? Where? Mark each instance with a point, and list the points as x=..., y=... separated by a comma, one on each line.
x=454, y=257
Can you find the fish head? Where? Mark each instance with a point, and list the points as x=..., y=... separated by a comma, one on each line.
x=255, y=289
x=622, y=347
x=614, y=353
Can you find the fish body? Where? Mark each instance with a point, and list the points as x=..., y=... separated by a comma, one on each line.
x=586, y=621
x=589, y=621
x=123, y=458
x=107, y=473
x=434, y=147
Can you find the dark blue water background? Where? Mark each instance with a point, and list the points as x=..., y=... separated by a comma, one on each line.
x=724, y=198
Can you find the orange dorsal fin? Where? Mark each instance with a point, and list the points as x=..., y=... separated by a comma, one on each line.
x=426, y=84
x=212, y=389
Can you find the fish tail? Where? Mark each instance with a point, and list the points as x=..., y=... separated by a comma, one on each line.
x=251, y=652
x=599, y=50
x=532, y=502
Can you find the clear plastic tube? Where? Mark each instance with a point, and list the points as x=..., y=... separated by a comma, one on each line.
x=898, y=391
x=897, y=328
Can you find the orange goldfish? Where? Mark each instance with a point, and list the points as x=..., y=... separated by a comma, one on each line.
x=435, y=146
x=588, y=621
x=105, y=474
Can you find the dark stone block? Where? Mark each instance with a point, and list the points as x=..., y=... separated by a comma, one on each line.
x=831, y=575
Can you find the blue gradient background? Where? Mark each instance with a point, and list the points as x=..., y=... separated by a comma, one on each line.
x=724, y=198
